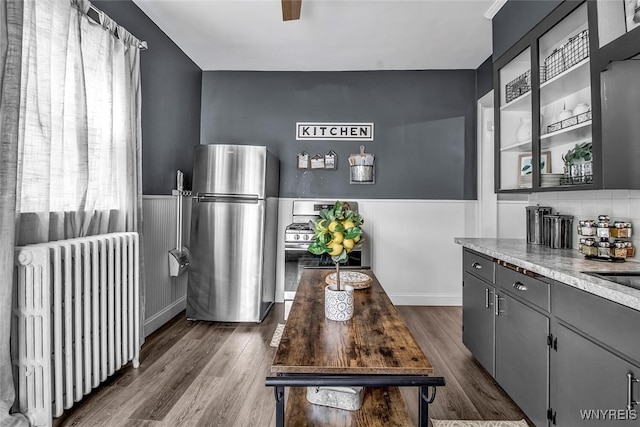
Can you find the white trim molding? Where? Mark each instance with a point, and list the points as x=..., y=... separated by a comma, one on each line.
x=426, y=299
x=494, y=8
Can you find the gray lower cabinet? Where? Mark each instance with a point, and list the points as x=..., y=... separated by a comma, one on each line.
x=522, y=356
x=565, y=356
x=478, y=320
x=590, y=385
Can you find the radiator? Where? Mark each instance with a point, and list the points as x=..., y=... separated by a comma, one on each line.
x=77, y=319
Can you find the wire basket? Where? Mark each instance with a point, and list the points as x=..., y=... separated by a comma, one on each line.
x=567, y=55
x=554, y=63
x=543, y=73
x=576, y=49
x=571, y=121
x=576, y=180
x=518, y=86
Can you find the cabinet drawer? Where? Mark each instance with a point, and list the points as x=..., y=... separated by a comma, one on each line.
x=608, y=322
x=528, y=288
x=478, y=265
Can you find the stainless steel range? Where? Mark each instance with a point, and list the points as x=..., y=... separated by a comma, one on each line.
x=298, y=236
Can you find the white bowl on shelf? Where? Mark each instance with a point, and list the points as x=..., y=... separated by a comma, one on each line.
x=550, y=179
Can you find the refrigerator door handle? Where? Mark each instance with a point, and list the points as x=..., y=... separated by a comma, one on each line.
x=231, y=198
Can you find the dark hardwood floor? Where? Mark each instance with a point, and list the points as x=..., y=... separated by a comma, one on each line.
x=212, y=374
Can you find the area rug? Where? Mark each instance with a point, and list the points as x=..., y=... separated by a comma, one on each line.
x=474, y=423
x=275, y=340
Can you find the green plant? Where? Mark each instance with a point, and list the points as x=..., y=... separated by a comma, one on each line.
x=577, y=153
x=336, y=233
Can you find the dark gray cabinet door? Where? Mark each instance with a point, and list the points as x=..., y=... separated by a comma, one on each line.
x=522, y=356
x=478, y=320
x=590, y=384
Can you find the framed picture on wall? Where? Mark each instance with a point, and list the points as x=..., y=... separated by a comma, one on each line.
x=632, y=14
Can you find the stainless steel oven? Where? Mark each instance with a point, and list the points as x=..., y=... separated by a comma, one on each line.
x=297, y=240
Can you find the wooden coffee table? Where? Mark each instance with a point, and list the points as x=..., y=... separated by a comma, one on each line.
x=374, y=349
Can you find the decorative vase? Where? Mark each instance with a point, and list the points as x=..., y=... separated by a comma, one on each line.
x=523, y=133
x=564, y=115
x=338, y=304
x=581, y=108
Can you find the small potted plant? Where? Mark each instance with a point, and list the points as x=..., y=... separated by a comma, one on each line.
x=337, y=233
x=577, y=161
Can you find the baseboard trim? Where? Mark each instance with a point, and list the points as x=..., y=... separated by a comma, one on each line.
x=163, y=316
x=426, y=299
x=413, y=299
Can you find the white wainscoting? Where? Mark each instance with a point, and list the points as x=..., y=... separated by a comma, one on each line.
x=412, y=249
x=165, y=296
x=413, y=253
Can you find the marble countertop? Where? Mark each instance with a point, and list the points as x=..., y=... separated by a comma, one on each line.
x=564, y=265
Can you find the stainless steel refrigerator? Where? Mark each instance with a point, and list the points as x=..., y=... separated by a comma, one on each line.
x=233, y=233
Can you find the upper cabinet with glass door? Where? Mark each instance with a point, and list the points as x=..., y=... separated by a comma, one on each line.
x=567, y=117
x=565, y=102
x=545, y=106
x=515, y=123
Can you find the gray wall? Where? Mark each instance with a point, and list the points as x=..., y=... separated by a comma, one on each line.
x=515, y=19
x=171, y=91
x=484, y=78
x=424, y=127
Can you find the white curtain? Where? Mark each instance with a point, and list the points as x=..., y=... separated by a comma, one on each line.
x=10, y=63
x=71, y=116
x=79, y=133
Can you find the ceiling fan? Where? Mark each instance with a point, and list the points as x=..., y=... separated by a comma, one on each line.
x=291, y=9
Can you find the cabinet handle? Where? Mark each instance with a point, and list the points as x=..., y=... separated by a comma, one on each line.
x=630, y=381
x=476, y=265
x=519, y=286
x=496, y=304
x=487, y=298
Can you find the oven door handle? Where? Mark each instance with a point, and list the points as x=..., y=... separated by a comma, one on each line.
x=299, y=247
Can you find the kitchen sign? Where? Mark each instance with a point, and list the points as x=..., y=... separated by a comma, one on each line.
x=334, y=131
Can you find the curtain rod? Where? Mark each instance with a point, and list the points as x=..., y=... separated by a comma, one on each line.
x=108, y=23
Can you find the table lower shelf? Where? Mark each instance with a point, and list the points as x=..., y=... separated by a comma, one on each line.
x=383, y=407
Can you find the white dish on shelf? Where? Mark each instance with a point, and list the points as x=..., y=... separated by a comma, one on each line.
x=550, y=179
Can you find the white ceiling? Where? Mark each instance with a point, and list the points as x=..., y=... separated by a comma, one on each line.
x=331, y=35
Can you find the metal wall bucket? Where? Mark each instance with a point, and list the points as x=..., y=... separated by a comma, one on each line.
x=362, y=173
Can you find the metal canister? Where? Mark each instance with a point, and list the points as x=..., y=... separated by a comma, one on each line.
x=549, y=223
x=535, y=226
x=558, y=231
